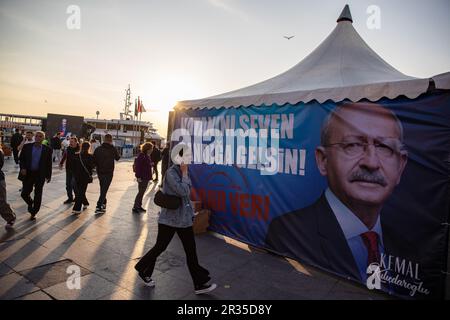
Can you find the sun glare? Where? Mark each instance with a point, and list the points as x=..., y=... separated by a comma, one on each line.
x=170, y=89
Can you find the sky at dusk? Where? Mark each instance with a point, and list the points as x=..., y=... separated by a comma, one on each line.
x=175, y=50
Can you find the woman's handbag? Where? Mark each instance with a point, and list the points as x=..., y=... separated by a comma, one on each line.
x=167, y=201
x=90, y=179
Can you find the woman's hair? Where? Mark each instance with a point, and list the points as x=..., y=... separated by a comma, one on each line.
x=75, y=139
x=85, y=146
x=145, y=147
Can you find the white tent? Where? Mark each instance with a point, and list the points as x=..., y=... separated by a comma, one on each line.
x=342, y=67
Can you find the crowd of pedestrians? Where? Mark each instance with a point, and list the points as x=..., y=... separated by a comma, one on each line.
x=35, y=155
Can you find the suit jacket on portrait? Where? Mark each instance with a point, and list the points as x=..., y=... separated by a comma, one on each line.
x=45, y=163
x=314, y=236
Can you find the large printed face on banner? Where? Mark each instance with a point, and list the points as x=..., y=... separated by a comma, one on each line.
x=356, y=189
x=361, y=155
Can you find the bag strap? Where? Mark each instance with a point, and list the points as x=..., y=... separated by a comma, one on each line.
x=82, y=163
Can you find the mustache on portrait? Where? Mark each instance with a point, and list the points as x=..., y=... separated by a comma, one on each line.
x=365, y=175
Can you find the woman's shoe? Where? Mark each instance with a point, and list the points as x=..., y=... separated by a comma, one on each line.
x=69, y=201
x=147, y=280
x=205, y=288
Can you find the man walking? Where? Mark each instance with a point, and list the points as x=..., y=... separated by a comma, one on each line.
x=35, y=168
x=5, y=209
x=155, y=156
x=65, y=143
x=56, y=146
x=16, y=140
x=104, y=157
x=69, y=159
x=29, y=138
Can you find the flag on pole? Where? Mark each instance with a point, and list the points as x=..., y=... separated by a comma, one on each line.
x=135, y=108
x=140, y=106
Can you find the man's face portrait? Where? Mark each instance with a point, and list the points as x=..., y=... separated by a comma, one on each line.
x=361, y=153
x=39, y=137
x=29, y=136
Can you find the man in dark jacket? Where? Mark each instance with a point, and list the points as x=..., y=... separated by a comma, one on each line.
x=16, y=140
x=155, y=156
x=56, y=146
x=68, y=158
x=35, y=168
x=104, y=157
x=5, y=209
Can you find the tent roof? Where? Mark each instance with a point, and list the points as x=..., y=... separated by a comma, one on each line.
x=342, y=67
x=345, y=15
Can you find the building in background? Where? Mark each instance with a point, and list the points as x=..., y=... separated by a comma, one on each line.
x=127, y=133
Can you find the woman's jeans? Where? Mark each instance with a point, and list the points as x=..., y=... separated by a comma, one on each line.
x=146, y=265
x=142, y=187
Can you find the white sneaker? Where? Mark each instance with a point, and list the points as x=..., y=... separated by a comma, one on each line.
x=76, y=211
x=205, y=288
x=99, y=210
x=150, y=284
x=148, y=281
x=85, y=207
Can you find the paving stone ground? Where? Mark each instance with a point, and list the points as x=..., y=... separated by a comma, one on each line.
x=38, y=258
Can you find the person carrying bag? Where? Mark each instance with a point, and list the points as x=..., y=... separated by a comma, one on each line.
x=167, y=201
x=180, y=220
x=142, y=168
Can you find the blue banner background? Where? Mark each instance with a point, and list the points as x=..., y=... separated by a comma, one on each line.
x=417, y=209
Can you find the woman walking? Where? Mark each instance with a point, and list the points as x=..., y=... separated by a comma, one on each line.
x=82, y=168
x=143, y=173
x=177, y=183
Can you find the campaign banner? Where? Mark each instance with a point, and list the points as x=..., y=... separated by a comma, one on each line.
x=357, y=189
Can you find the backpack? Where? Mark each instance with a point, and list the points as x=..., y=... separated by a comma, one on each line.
x=156, y=155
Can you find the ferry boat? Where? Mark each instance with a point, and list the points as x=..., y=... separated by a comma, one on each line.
x=128, y=131
x=125, y=132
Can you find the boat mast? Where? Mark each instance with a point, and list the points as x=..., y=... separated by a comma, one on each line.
x=128, y=103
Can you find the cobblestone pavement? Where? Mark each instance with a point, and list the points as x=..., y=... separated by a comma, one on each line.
x=38, y=258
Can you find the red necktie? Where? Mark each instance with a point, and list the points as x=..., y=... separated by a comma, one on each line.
x=370, y=239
